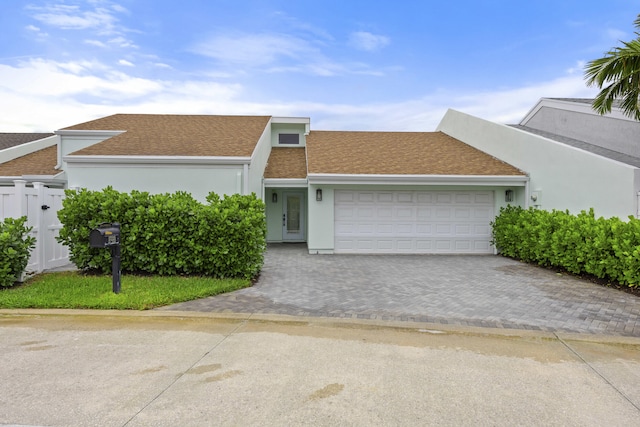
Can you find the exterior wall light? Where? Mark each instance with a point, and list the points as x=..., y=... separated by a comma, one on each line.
x=274, y=197
x=508, y=196
x=319, y=195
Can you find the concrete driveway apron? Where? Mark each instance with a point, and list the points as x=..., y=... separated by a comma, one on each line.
x=485, y=291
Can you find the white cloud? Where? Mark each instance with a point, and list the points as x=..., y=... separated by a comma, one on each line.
x=97, y=43
x=277, y=53
x=126, y=63
x=47, y=95
x=42, y=95
x=122, y=42
x=71, y=17
x=363, y=40
x=616, y=34
x=32, y=28
x=252, y=49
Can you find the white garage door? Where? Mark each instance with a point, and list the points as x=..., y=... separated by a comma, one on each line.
x=413, y=221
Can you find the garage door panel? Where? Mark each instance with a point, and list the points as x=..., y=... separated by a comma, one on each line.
x=443, y=213
x=365, y=197
x=424, y=246
x=405, y=245
x=443, y=229
x=404, y=213
x=384, y=213
x=443, y=197
x=462, y=213
x=483, y=198
x=383, y=229
x=365, y=244
x=423, y=213
x=403, y=197
x=422, y=197
x=345, y=229
x=365, y=212
x=462, y=229
x=405, y=228
x=413, y=221
x=423, y=229
x=344, y=196
x=385, y=245
x=483, y=213
x=345, y=213
x=463, y=198
x=366, y=229
x=384, y=197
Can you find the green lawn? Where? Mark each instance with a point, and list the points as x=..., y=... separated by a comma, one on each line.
x=78, y=290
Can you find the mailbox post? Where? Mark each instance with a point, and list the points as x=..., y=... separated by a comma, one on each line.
x=107, y=235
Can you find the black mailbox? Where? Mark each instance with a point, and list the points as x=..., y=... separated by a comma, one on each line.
x=107, y=234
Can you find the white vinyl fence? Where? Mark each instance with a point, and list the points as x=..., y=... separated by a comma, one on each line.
x=40, y=205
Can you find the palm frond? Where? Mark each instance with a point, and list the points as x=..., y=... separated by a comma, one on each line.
x=617, y=74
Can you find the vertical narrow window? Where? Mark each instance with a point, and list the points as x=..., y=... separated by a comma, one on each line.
x=289, y=138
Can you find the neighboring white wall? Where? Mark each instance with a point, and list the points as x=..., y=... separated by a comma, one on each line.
x=199, y=180
x=23, y=149
x=565, y=177
x=259, y=159
x=604, y=131
x=70, y=144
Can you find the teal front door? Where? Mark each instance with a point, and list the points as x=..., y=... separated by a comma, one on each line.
x=293, y=217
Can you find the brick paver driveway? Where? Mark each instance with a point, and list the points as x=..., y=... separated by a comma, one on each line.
x=486, y=291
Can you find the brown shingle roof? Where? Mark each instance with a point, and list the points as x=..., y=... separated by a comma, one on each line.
x=41, y=162
x=12, y=139
x=176, y=135
x=398, y=153
x=286, y=163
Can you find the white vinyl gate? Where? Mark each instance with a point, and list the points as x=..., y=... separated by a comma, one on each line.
x=40, y=205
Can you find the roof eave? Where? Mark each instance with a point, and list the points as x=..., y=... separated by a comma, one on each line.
x=183, y=160
x=57, y=179
x=91, y=133
x=375, y=179
x=286, y=182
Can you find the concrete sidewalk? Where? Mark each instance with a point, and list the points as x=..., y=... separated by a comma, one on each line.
x=160, y=368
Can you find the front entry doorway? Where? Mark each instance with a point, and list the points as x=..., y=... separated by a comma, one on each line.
x=293, y=216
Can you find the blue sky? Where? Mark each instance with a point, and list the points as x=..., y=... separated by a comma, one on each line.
x=347, y=64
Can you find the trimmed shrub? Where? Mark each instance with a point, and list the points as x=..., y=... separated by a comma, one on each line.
x=606, y=248
x=15, y=247
x=168, y=234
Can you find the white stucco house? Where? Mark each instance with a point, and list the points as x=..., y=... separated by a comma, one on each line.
x=576, y=159
x=366, y=192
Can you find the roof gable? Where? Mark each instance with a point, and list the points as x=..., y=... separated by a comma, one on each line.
x=286, y=163
x=398, y=153
x=41, y=162
x=12, y=139
x=175, y=135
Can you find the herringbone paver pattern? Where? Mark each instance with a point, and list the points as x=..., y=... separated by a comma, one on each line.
x=486, y=291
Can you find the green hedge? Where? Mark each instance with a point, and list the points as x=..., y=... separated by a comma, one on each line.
x=606, y=248
x=15, y=246
x=168, y=234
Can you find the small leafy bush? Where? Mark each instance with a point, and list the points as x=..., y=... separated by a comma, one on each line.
x=606, y=248
x=15, y=247
x=168, y=234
